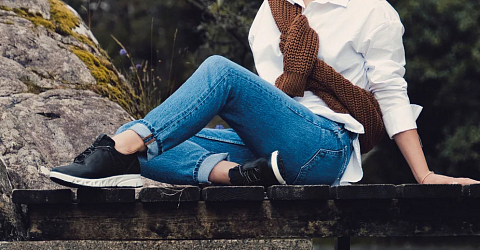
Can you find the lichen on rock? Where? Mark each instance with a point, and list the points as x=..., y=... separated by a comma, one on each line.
x=101, y=70
x=66, y=22
x=41, y=7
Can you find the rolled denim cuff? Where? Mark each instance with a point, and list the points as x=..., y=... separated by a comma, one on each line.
x=208, y=164
x=149, y=139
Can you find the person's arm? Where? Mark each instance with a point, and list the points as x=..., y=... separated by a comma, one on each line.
x=384, y=57
x=409, y=145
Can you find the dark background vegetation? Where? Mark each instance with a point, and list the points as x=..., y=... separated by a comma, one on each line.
x=442, y=43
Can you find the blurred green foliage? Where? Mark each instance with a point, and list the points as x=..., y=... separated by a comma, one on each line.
x=153, y=33
x=442, y=43
x=225, y=30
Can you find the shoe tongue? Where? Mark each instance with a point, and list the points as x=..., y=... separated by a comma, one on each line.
x=235, y=176
x=104, y=140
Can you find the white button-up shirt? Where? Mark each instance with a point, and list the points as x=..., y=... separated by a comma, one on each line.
x=362, y=40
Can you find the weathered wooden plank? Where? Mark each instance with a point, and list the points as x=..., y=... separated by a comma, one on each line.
x=429, y=191
x=233, y=193
x=472, y=191
x=105, y=195
x=290, y=192
x=37, y=196
x=171, y=194
x=266, y=219
x=342, y=243
x=236, y=244
x=383, y=191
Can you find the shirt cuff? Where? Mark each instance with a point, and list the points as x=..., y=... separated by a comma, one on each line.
x=401, y=119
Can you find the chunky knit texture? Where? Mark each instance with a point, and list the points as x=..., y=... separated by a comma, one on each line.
x=303, y=71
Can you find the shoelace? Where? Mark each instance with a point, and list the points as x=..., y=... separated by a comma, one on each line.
x=250, y=175
x=82, y=156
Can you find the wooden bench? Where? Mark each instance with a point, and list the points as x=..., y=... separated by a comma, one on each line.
x=280, y=212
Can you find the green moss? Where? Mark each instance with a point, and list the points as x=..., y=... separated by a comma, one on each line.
x=5, y=8
x=108, y=83
x=63, y=19
x=32, y=87
x=101, y=73
x=35, y=18
x=85, y=40
x=7, y=22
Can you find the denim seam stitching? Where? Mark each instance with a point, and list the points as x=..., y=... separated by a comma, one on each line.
x=256, y=84
x=313, y=122
x=344, y=165
x=301, y=172
x=346, y=159
x=221, y=140
x=222, y=77
x=284, y=103
x=304, y=169
x=166, y=127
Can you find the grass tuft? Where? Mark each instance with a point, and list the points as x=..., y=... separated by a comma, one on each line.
x=108, y=83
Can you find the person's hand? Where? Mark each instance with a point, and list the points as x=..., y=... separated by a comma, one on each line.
x=442, y=179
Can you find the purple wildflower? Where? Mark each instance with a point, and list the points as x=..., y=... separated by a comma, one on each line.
x=138, y=66
x=219, y=126
x=123, y=52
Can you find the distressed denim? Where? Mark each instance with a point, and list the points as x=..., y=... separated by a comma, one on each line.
x=262, y=118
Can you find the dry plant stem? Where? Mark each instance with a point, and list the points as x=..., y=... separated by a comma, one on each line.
x=140, y=83
x=89, y=17
x=129, y=142
x=151, y=51
x=171, y=61
x=219, y=174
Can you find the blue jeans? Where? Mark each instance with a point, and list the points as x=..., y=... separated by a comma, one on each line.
x=263, y=119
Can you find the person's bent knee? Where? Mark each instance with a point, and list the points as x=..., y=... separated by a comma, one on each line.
x=215, y=65
x=216, y=60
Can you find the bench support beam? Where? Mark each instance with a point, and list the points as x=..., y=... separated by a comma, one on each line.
x=342, y=243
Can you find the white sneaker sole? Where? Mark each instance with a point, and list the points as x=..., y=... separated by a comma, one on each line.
x=275, y=169
x=126, y=180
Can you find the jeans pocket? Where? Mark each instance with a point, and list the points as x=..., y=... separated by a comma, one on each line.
x=322, y=169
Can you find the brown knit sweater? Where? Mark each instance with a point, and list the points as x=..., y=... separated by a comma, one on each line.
x=304, y=71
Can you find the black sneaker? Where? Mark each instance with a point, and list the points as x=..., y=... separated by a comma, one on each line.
x=100, y=165
x=261, y=172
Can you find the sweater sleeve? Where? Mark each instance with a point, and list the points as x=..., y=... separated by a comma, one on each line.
x=300, y=49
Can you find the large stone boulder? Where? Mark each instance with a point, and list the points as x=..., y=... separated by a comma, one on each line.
x=58, y=91
x=40, y=131
x=11, y=226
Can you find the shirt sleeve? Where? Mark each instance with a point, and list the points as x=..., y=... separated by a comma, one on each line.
x=384, y=61
x=255, y=23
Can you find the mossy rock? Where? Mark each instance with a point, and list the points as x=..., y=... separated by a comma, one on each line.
x=66, y=23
